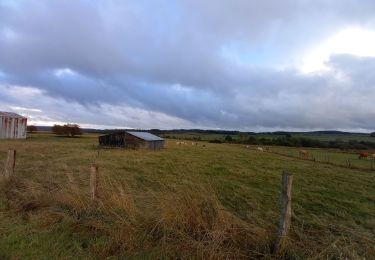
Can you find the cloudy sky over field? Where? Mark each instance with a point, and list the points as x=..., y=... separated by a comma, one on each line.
x=231, y=64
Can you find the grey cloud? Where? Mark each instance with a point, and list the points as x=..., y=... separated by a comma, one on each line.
x=167, y=58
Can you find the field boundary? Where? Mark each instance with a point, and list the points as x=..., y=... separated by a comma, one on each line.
x=323, y=162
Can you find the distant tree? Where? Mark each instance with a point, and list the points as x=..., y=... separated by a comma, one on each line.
x=68, y=130
x=242, y=137
x=58, y=130
x=251, y=140
x=74, y=129
x=228, y=138
x=372, y=134
x=32, y=129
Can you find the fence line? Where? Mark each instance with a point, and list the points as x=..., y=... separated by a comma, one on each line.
x=327, y=160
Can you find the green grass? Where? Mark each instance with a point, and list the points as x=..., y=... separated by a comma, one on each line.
x=200, y=136
x=341, y=137
x=217, y=201
x=316, y=136
x=332, y=156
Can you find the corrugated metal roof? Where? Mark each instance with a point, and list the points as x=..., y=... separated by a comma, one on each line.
x=145, y=136
x=10, y=114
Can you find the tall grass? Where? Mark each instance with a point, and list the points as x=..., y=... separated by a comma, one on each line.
x=185, y=221
x=217, y=202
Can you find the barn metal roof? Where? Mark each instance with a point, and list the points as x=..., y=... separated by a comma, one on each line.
x=10, y=114
x=145, y=136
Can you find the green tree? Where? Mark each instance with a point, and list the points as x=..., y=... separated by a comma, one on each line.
x=252, y=140
x=228, y=138
x=242, y=136
x=32, y=129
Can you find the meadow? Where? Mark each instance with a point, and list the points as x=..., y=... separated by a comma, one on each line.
x=315, y=136
x=214, y=201
x=336, y=157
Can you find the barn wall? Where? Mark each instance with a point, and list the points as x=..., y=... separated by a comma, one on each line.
x=127, y=140
x=156, y=145
x=133, y=142
x=114, y=140
x=12, y=127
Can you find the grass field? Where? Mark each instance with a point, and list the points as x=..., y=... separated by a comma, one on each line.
x=334, y=137
x=218, y=201
x=332, y=156
x=316, y=136
x=200, y=136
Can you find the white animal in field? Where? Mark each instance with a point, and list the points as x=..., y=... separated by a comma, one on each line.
x=247, y=146
x=260, y=149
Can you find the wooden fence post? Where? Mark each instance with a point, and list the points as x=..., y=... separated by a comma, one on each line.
x=10, y=164
x=349, y=163
x=94, y=181
x=285, y=211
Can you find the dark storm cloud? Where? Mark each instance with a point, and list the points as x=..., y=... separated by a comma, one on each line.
x=190, y=60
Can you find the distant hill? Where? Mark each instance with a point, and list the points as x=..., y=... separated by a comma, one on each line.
x=331, y=132
x=85, y=130
x=209, y=131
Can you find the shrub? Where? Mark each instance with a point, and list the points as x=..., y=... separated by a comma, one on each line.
x=32, y=129
x=228, y=138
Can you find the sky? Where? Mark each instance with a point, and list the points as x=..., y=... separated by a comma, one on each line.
x=231, y=64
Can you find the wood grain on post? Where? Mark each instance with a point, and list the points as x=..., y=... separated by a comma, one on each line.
x=285, y=210
x=10, y=164
x=94, y=181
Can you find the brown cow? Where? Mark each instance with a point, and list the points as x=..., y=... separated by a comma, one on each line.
x=373, y=156
x=304, y=154
x=363, y=156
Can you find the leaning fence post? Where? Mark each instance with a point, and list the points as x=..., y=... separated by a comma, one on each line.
x=285, y=210
x=10, y=164
x=94, y=181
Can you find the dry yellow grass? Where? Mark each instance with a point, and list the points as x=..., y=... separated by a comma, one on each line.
x=213, y=202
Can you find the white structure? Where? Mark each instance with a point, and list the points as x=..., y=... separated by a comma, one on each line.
x=12, y=126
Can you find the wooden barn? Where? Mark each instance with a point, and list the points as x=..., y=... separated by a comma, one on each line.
x=12, y=126
x=132, y=140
